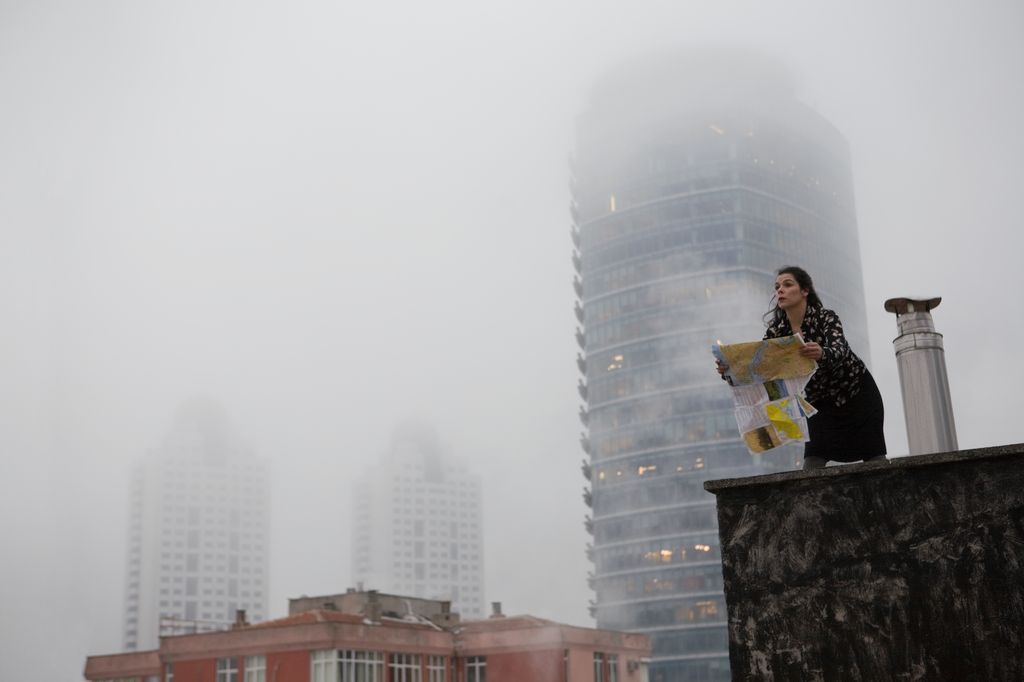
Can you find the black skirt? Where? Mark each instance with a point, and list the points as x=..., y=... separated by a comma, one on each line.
x=852, y=432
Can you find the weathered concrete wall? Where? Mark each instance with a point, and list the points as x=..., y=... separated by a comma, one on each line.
x=912, y=570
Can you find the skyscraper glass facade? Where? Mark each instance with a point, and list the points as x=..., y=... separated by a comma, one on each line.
x=690, y=189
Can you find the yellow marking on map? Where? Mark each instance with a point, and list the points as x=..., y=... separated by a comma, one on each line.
x=781, y=420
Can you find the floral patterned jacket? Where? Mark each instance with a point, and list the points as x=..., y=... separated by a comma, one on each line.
x=840, y=371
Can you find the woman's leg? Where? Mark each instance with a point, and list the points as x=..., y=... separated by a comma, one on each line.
x=814, y=462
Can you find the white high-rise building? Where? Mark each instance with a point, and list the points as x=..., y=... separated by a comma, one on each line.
x=417, y=524
x=198, y=532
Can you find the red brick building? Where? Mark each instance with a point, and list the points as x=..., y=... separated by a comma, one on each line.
x=370, y=637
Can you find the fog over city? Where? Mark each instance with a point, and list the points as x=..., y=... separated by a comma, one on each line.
x=333, y=218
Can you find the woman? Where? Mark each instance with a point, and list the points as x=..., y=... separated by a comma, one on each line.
x=848, y=425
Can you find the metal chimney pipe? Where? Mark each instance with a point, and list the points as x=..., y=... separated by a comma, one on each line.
x=921, y=361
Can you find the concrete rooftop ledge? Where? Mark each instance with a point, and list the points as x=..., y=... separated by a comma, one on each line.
x=911, y=570
x=844, y=470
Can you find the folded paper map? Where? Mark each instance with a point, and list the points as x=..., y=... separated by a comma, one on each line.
x=768, y=380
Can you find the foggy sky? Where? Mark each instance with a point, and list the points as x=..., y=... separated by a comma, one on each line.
x=331, y=217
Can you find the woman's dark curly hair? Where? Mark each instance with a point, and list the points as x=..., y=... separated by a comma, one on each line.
x=805, y=283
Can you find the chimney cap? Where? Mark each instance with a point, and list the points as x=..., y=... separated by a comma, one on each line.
x=902, y=306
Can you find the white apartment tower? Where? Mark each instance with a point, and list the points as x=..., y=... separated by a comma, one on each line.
x=417, y=524
x=198, y=532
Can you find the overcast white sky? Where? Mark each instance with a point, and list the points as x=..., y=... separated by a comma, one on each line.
x=333, y=216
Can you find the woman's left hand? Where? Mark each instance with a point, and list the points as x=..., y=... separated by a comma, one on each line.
x=811, y=350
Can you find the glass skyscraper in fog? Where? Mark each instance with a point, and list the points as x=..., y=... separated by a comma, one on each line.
x=693, y=181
